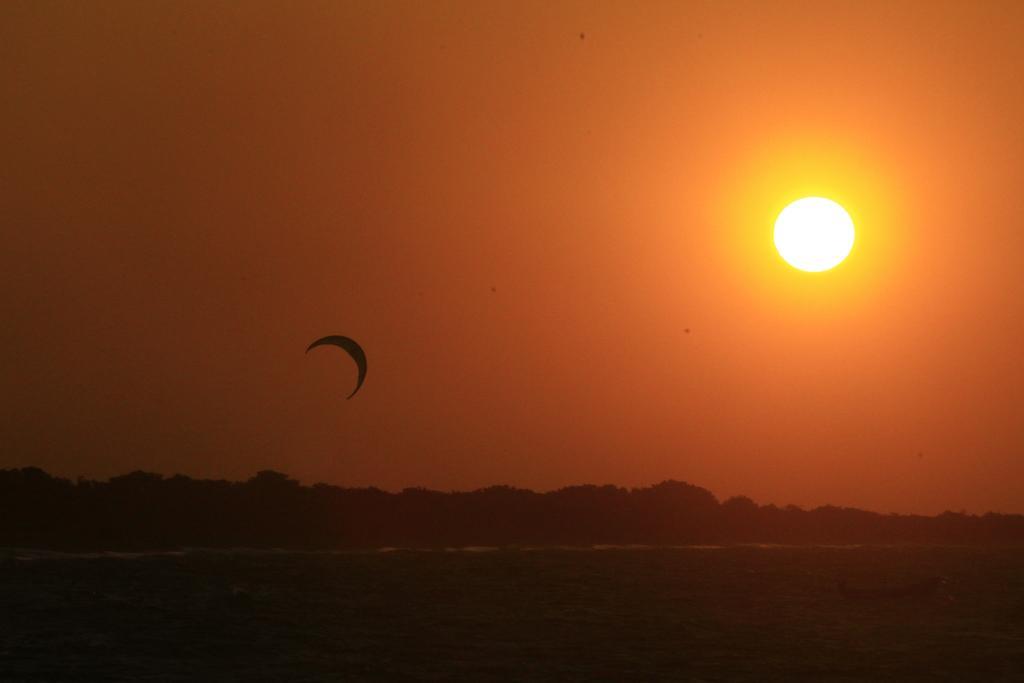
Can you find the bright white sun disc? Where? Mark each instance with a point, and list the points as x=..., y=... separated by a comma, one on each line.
x=814, y=234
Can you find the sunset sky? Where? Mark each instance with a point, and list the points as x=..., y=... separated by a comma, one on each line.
x=548, y=224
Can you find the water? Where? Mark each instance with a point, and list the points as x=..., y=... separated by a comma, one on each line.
x=710, y=614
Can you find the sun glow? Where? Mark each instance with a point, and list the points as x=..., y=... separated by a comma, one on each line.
x=814, y=234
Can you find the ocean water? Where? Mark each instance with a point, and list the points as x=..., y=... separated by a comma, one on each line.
x=481, y=614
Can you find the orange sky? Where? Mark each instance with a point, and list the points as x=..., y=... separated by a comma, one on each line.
x=192, y=192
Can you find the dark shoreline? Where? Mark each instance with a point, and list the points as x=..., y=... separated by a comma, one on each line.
x=144, y=511
x=15, y=554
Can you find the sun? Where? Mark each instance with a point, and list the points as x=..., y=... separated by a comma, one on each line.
x=814, y=234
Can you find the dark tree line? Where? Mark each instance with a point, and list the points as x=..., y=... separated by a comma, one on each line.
x=144, y=511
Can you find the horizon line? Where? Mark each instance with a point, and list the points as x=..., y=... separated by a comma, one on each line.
x=628, y=489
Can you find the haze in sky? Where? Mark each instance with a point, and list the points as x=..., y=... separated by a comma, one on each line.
x=548, y=225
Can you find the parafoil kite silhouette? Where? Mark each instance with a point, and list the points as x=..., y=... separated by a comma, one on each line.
x=349, y=346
